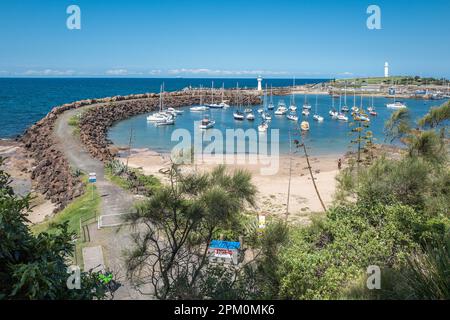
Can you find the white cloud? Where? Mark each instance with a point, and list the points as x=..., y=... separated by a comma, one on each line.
x=346, y=74
x=155, y=72
x=212, y=72
x=49, y=72
x=117, y=72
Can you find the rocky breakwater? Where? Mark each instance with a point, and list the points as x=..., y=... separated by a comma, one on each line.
x=51, y=172
x=95, y=122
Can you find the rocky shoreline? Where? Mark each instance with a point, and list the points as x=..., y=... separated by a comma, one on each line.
x=52, y=173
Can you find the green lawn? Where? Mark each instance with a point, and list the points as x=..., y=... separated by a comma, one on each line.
x=84, y=207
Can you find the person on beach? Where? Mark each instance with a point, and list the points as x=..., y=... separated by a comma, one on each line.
x=339, y=164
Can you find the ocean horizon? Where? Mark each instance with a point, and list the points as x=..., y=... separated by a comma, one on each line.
x=24, y=101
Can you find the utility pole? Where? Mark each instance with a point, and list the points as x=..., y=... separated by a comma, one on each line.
x=129, y=146
x=290, y=174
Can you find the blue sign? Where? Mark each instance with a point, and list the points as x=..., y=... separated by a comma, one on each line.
x=219, y=244
x=92, y=177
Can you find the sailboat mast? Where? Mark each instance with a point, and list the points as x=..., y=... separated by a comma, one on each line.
x=316, y=103
x=160, y=98
x=345, y=93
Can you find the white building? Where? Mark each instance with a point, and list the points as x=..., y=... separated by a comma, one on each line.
x=259, y=83
x=386, y=70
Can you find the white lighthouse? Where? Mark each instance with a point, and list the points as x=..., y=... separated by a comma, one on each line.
x=386, y=70
x=259, y=83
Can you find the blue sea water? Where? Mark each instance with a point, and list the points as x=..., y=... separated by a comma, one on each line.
x=24, y=101
x=328, y=137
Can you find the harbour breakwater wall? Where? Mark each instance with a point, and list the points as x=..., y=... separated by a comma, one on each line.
x=52, y=174
x=94, y=123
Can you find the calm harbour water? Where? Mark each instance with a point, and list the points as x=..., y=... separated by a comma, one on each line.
x=329, y=137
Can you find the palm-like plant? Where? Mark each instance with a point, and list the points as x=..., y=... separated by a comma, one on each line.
x=428, y=144
x=176, y=225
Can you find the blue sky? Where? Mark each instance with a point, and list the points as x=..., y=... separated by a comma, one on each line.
x=229, y=38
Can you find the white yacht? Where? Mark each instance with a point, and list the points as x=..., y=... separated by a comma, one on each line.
x=263, y=127
x=199, y=109
x=161, y=115
x=304, y=126
x=170, y=120
x=292, y=116
x=396, y=105
x=250, y=116
x=281, y=110
x=306, y=105
x=342, y=117
x=175, y=111
x=316, y=116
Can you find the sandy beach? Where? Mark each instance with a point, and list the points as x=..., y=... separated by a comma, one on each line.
x=272, y=188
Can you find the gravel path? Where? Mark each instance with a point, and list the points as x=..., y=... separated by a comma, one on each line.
x=115, y=200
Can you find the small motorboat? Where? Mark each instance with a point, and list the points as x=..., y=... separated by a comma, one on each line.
x=266, y=116
x=281, y=111
x=248, y=110
x=199, y=109
x=166, y=122
x=345, y=109
x=305, y=112
x=238, y=115
x=292, y=116
x=293, y=108
x=342, y=117
x=214, y=106
x=263, y=127
x=271, y=106
x=318, y=118
x=206, y=123
x=364, y=118
x=250, y=116
x=304, y=126
x=373, y=113
x=396, y=105
x=224, y=105
x=159, y=116
x=333, y=113
x=260, y=110
x=175, y=111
